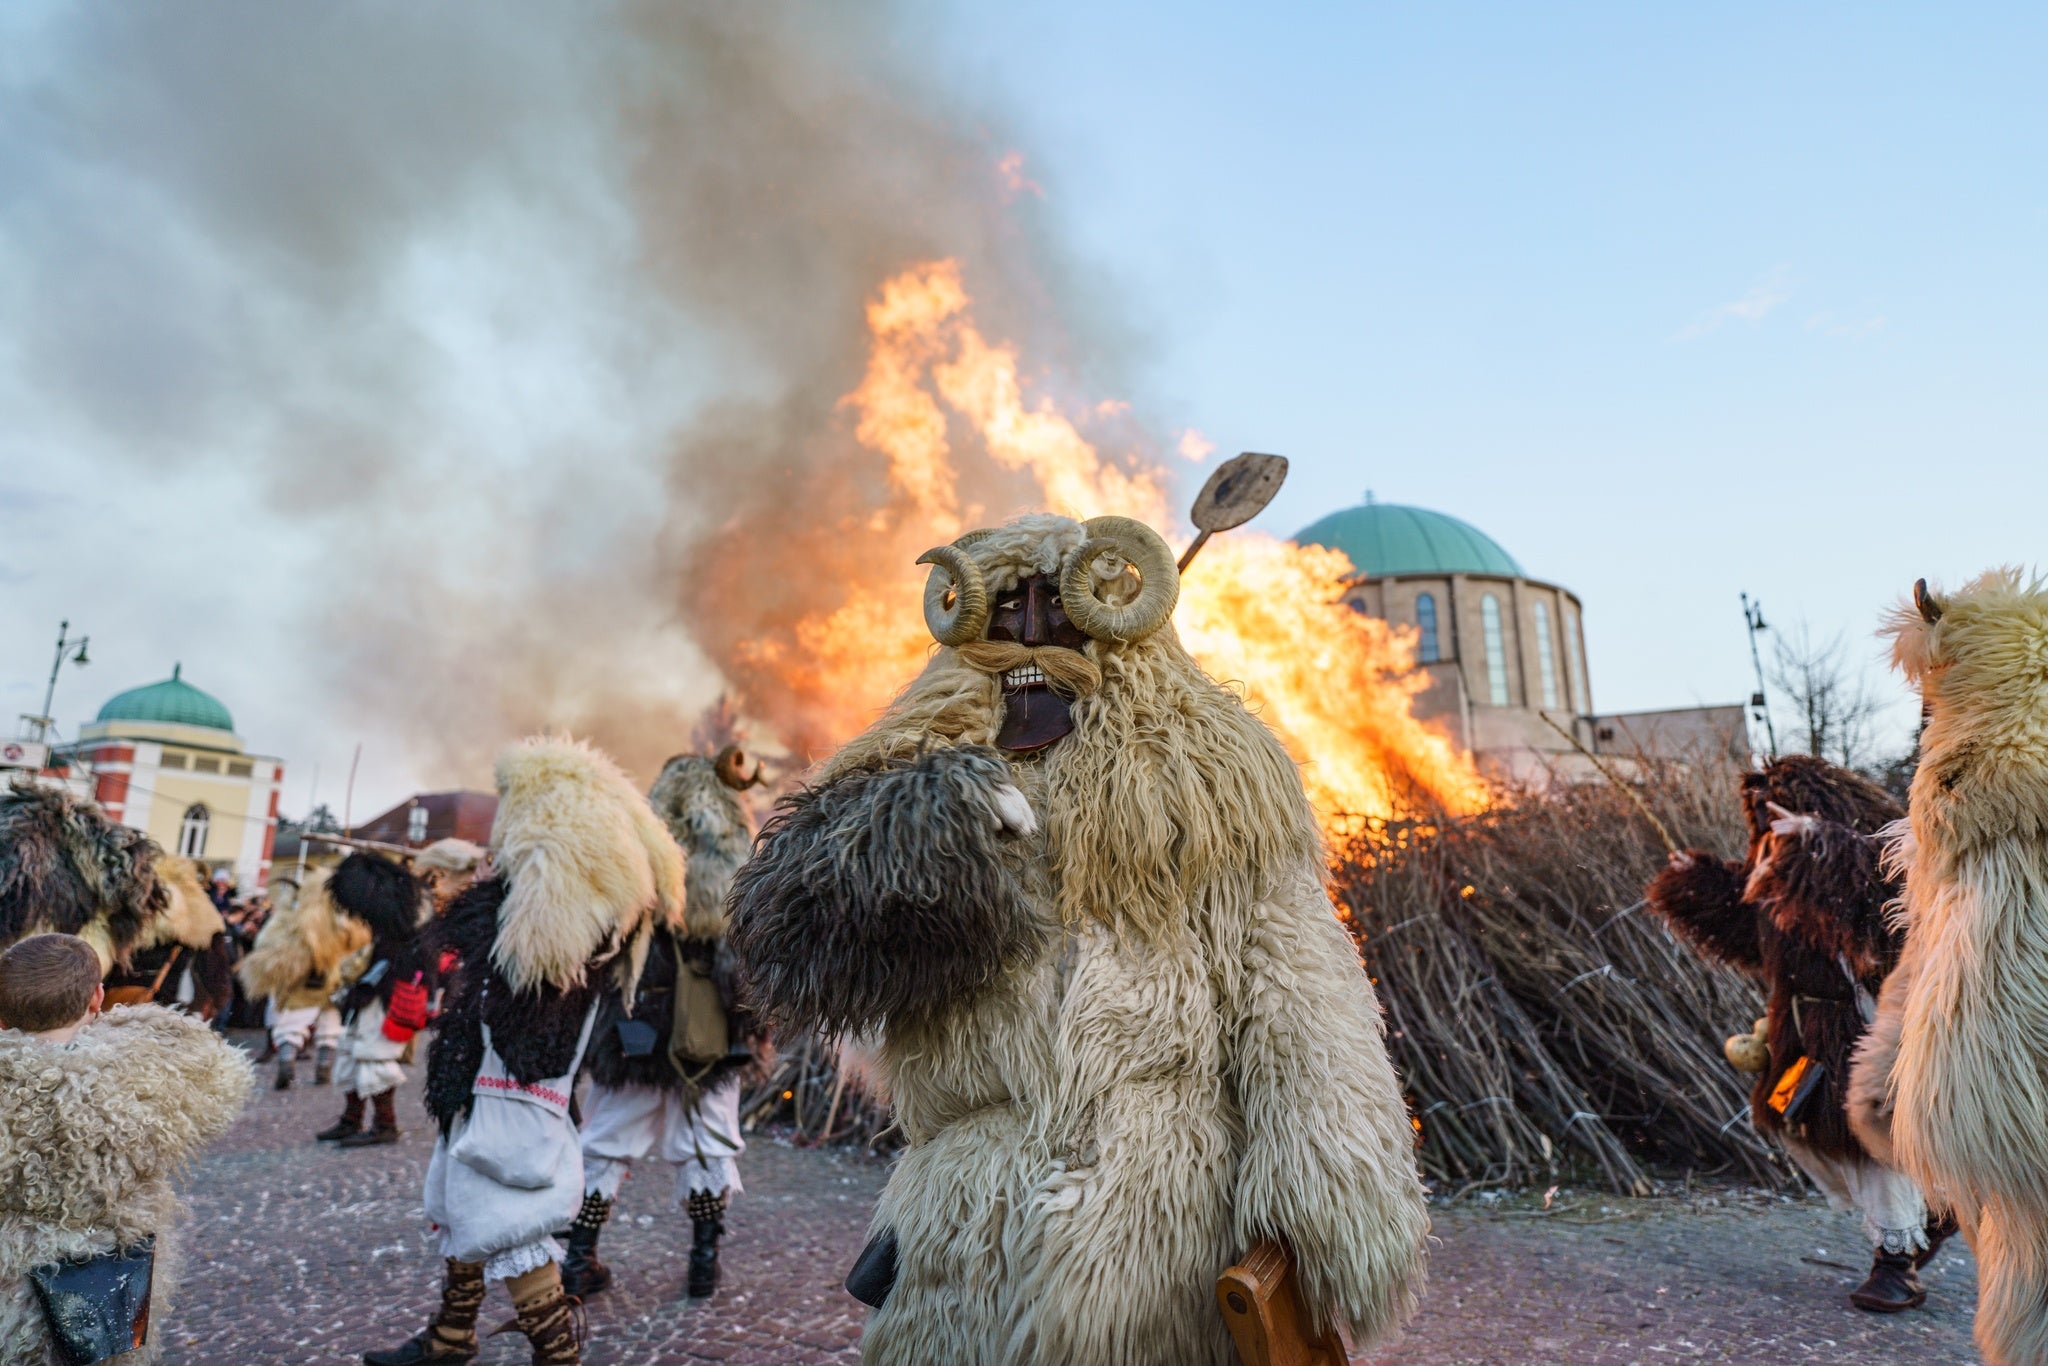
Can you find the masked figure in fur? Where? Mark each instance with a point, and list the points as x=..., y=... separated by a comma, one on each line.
x=299, y=962
x=1075, y=891
x=1803, y=913
x=665, y=1063
x=1954, y=1078
x=66, y=869
x=184, y=958
x=388, y=987
x=583, y=874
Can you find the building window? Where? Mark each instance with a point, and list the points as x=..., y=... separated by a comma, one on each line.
x=416, y=825
x=171, y=761
x=205, y=765
x=1546, y=662
x=1571, y=661
x=1496, y=651
x=192, y=834
x=237, y=769
x=1426, y=651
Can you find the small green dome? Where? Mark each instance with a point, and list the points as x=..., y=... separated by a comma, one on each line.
x=1387, y=538
x=173, y=700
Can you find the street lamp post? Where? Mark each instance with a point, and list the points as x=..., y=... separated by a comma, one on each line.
x=1753, y=616
x=45, y=720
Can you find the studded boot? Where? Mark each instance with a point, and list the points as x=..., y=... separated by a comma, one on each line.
x=323, y=1065
x=551, y=1318
x=707, y=1224
x=451, y=1336
x=287, y=1058
x=1892, y=1287
x=351, y=1121
x=583, y=1275
x=385, y=1127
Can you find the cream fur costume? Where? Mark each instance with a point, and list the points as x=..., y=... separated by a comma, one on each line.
x=1178, y=1054
x=1962, y=1032
x=91, y=1131
x=299, y=956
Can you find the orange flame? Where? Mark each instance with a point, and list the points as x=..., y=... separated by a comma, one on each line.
x=1261, y=613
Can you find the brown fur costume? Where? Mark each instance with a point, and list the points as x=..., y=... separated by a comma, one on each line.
x=185, y=954
x=66, y=868
x=1125, y=1035
x=85, y=1166
x=299, y=955
x=1791, y=914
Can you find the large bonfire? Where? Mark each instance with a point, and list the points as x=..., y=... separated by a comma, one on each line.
x=1260, y=613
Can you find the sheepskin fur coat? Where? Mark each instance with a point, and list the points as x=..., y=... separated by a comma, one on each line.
x=1803, y=913
x=66, y=869
x=1956, y=1074
x=703, y=812
x=384, y=897
x=1125, y=1035
x=91, y=1133
x=300, y=953
x=585, y=876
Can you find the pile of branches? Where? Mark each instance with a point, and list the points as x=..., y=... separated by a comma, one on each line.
x=1547, y=1026
x=818, y=1092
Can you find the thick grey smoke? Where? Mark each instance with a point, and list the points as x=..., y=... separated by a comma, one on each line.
x=522, y=330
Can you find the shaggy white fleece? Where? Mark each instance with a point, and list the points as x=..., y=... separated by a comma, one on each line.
x=587, y=861
x=298, y=955
x=1196, y=1062
x=91, y=1133
x=1970, y=1077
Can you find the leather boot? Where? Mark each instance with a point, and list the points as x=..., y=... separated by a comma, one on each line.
x=350, y=1123
x=583, y=1275
x=1940, y=1228
x=707, y=1222
x=323, y=1065
x=1892, y=1286
x=384, y=1129
x=551, y=1318
x=451, y=1336
x=287, y=1055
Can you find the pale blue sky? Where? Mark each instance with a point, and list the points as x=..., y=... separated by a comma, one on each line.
x=1673, y=301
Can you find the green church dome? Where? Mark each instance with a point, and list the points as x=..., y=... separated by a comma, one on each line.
x=173, y=700
x=1387, y=538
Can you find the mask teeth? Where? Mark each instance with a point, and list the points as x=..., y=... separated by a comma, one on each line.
x=1024, y=677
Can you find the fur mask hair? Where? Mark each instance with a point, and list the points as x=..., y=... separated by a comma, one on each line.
x=1982, y=669
x=1166, y=784
x=1808, y=786
x=588, y=864
x=189, y=916
x=707, y=820
x=65, y=867
x=381, y=894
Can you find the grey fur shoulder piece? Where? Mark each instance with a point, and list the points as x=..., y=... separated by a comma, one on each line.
x=65, y=866
x=887, y=893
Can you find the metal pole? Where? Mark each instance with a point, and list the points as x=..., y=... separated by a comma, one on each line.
x=1753, y=617
x=50, y=693
x=348, y=797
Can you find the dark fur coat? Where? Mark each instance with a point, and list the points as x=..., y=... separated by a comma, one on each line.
x=886, y=893
x=654, y=1004
x=1804, y=915
x=212, y=969
x=65, y=866
x=534, y=1032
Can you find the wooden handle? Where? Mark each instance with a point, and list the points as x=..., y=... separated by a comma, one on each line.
x=1261, y=1304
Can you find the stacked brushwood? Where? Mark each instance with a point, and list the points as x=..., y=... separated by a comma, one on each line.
x=819, y=1092
x=1546, y=1026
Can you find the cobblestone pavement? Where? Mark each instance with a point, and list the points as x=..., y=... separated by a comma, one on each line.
x=304, y=1254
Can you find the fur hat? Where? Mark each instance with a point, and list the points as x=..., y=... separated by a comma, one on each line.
x=65, y=867
x=1808, y=786
x=703, y=812
x=448, y=856
x=587, y=863
x=380, y=893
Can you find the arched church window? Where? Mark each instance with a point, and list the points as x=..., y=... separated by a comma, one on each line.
x=1426, y=650
x=1571, y=660
x=1496, y=651
x=192, y=833
x=1546, y=661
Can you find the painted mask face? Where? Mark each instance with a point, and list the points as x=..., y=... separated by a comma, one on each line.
x=1034, y=716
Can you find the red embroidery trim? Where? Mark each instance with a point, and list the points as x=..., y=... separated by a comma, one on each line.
x=548, y=1094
